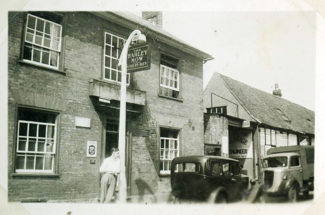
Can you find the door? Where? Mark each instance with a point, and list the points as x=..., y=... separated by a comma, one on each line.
x=111, y=140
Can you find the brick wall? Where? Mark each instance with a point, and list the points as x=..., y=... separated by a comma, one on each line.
x=67, y=92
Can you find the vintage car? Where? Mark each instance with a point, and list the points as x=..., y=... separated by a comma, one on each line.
x=208, y=178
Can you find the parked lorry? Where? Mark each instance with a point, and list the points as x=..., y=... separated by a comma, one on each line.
x=288, y=171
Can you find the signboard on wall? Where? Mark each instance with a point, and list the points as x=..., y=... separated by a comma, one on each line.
x=91, y=148
x=138, y=58
x=241, y=144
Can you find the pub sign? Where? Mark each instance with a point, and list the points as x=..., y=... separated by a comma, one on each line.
x=138, y=58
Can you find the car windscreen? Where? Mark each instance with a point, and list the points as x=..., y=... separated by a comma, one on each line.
x=188, y=167
x=275, y=162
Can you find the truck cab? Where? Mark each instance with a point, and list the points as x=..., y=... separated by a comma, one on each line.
x=288, y=171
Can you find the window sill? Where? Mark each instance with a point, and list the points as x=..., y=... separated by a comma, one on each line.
x=171, y=98
x=43, y=67
x=164, y=175
x=114, y=82
x=35, y=175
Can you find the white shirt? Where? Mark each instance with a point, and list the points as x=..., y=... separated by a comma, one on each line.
x=110, y=164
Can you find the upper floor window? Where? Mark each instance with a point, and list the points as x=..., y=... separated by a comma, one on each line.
x=42, y=42
x=112, y=50
x=36, y=141
x=169, y=77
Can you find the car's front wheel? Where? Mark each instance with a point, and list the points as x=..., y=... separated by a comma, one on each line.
x=218, y=196
x=293, y=193
x=221, y=198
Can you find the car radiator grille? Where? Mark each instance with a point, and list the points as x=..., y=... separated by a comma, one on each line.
x=268, y=179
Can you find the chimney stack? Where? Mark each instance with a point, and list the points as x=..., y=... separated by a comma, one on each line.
x=155, y=17
x=277, y=91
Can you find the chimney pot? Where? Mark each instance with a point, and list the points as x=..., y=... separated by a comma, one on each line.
x=277, y=91
x=155, y=17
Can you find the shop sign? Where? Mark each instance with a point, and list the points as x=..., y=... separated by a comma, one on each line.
x=241, y=146
x=138, y=58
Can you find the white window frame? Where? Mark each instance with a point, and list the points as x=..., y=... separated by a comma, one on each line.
x=25, y=153
x=167, y=154
x=113, y=57
x=168, y=77
x=42, y=48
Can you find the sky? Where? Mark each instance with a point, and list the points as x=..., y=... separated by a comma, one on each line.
x=256, y=48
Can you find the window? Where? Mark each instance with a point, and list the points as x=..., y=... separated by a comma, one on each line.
x=169, y=77
x=36, y=141
x=112, y=50
x=189, y=167
x=42, y=42
x=169, y=148
x=294, y=161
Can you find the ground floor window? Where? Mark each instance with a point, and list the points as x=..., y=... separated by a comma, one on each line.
x=36, y=141
x=169, y=148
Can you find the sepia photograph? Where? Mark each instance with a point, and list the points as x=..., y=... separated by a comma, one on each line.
x=160, y=106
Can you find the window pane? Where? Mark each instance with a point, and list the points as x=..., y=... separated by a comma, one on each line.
x=22, y=144
x=107, y=62
x=107, y=74
x=56, y=30
x=31, y=22
x=32, y=130
x=28, y=52
x=47, y=28
x=114, y=48
x=47, y=41
x=49, y=146
x=39, y=162
x=113, y=72
x=108, y=39
x=40, y=145
x=45, y=57
x=22, y=129
x=55, y=43
x=114, y=63
x=37, y=55
x=54, y=58
x=108, y=50
x=30, y=162
x=29, y=35
x=20, y=162
x=40, y=25
x=50, y=131
x=32, y=144
x=38, y=38
x=119, y=78
x=41, y=130
x=48, y=162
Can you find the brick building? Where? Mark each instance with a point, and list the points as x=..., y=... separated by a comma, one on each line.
x=243, y=122
x=63, y=100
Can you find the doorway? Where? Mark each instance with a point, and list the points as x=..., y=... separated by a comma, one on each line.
x=112, y=127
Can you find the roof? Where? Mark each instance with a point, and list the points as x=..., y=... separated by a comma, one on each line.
x=270, y=109
x=132, y=21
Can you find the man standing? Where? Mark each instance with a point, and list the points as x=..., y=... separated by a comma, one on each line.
x=110, y=169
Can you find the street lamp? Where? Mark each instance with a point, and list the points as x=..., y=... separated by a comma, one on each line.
x=135, y=36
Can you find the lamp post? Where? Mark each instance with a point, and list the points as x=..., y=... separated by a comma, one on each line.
x=134, y=36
